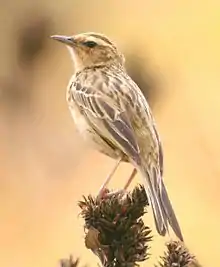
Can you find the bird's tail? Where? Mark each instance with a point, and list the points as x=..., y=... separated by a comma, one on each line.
x=158, y=198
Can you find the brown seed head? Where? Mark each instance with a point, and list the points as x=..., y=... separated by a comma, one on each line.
x=91, y=49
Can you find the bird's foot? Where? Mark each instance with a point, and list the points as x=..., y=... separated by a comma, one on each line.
x=117, y=193
x=105, y=193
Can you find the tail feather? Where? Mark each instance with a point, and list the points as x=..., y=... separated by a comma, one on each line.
x=170, y=214
x=160, y=226
x=162, y=208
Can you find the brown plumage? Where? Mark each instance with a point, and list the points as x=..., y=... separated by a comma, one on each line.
x=112, y=114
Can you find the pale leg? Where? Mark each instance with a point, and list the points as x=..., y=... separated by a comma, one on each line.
x=103, y=187
x=130, y=179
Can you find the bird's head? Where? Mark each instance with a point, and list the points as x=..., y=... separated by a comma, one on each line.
x=91, y=49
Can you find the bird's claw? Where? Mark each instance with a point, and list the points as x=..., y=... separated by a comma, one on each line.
x=104, y=194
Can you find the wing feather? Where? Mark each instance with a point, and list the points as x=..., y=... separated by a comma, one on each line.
x=108, y=118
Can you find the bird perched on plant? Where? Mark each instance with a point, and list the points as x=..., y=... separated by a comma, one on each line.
x=113, y=115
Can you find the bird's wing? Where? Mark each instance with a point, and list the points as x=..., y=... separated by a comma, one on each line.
x=146, y=121
x=107, y=116
x=160, y=151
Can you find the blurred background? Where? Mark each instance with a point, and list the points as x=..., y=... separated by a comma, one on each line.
x=172, y=51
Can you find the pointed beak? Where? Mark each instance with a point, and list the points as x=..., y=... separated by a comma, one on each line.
x=68, y=40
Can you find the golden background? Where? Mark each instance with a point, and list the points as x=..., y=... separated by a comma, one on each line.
x=44, y=166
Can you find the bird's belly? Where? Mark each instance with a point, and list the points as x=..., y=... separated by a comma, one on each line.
x=90, y=136
x=80, y=122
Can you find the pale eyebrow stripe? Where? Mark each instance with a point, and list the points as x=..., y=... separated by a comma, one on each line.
x=103, y=38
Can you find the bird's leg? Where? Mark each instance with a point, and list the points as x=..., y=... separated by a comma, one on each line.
x=130, y=179
x=103, y=187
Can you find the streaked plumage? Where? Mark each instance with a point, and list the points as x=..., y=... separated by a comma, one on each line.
x=112, y=114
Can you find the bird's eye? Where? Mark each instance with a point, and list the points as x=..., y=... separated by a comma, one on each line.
x=90, y=44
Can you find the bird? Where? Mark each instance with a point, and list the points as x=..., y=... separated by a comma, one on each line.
x=113, y=116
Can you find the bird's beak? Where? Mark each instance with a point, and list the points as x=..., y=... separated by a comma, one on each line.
x=68, y=40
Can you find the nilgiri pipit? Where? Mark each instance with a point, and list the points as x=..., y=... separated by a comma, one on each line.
x=112, y=114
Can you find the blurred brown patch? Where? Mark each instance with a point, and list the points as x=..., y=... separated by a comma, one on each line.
x=31, y=36
x=148, y=80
